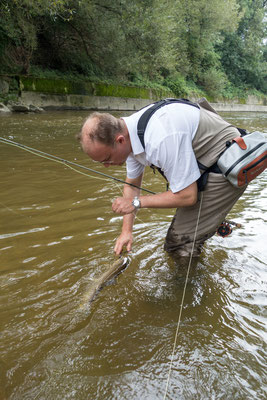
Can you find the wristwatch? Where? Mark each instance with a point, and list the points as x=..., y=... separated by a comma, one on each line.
x=136, y=203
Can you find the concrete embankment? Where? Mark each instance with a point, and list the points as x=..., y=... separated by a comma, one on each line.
x=26, y=94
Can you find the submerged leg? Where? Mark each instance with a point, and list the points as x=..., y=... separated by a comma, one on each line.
x=219, y=197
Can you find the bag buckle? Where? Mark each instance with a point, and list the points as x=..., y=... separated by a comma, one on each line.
x=241, y=143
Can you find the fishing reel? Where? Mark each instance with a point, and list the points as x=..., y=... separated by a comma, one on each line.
x=224, y=229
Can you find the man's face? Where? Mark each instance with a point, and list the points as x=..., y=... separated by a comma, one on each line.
x=105, y=154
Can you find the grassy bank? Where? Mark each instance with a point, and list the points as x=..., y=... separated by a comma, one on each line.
x=176, y=85
x=55, y=82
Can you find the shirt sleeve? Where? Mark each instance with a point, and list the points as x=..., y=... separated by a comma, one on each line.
x=175, y=156
x=134, y=168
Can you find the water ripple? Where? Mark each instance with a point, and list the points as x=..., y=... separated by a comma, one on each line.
x=14, y=234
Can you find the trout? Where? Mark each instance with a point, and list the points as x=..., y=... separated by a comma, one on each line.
x=114, y=270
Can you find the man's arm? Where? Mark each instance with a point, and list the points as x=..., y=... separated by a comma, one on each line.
x=126, y=237
x=183, y=198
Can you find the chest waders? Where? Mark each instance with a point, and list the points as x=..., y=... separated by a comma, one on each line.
x=209, y=142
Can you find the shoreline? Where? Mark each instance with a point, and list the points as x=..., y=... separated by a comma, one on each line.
x=33, y=102
x=25, y=94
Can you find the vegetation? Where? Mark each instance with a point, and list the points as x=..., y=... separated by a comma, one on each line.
x=188, y=46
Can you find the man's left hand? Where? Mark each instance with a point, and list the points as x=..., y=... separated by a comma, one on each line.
x=123, y=206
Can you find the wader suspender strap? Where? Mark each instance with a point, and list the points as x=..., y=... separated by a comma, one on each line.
x=142, y=124
x=143, y=121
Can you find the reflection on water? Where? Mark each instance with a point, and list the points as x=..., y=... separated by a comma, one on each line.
x=57, y=234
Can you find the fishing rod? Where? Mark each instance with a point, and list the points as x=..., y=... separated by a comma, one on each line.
x=63, y=161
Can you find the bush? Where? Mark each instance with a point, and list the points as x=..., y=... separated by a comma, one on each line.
x=213, y=82
x=177, y=84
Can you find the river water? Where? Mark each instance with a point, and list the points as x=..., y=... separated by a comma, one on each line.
x=57, y=233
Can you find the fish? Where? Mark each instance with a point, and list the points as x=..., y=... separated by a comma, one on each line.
x=98, y=284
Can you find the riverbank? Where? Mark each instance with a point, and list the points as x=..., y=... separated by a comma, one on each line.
x=26, y=94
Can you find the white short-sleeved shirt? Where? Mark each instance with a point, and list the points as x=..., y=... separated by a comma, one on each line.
x=168, y=144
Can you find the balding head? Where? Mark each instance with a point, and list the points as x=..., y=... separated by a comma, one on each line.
x=105, y=138
x=101, y=127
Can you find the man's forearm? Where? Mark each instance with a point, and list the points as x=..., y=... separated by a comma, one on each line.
x=130, y=192
x=123, y=205
x=128, y=222
x=184, y=198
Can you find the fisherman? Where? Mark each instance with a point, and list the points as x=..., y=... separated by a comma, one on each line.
x=180, y=139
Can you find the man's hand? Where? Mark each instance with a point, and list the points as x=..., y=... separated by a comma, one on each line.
x=123, y=206
x=125, y=239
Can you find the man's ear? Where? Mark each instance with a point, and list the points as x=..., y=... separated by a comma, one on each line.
x=120, y=139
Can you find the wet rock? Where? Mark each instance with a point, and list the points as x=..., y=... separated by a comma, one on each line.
x=3, y=108
x=19, y=107
x=35, y=109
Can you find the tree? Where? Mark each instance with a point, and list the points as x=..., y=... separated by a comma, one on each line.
x=19, y=27
x=197, y=29
x=242, y=52
x=168, y=41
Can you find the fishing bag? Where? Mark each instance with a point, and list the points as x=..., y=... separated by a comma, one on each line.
x=245, y=158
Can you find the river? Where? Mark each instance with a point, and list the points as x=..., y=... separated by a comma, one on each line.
x=57, y=233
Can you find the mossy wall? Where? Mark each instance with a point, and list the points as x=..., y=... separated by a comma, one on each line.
x=55, y=86
x=78, y=94
x=60, y=86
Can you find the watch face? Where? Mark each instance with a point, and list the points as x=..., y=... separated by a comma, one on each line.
x=136, y=203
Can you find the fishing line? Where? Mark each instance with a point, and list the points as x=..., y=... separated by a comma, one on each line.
x=69, y=164
x=58, y=161
x=120, y=190
x=183, y=296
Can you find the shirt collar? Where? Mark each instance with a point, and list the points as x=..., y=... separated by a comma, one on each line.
x=131, y=124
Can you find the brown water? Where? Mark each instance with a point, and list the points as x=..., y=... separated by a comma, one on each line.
x=57, y=233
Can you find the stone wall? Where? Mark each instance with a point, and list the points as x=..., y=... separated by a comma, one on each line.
x=20, y=93
x=82, y=102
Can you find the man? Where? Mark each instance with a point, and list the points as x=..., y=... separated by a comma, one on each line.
x=177, y=136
